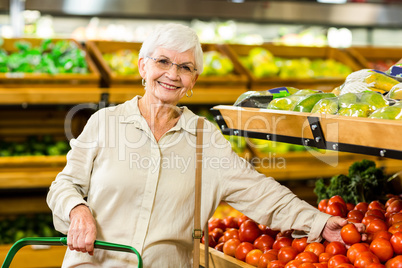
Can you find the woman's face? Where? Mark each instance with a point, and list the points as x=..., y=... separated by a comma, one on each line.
x=168, y=85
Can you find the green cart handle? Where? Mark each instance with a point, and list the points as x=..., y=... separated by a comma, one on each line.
x=59, y=241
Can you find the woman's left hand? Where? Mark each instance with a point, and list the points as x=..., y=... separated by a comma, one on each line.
x=332, y=230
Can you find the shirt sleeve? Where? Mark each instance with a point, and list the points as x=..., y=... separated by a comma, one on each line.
x=265, y=200
x=71, y=185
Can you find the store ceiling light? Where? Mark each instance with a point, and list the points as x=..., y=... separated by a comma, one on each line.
x=332, y=1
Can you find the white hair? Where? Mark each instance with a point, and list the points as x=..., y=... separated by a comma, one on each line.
x=175, y=37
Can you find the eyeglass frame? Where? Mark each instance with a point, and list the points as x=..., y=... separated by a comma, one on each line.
x=172, y=63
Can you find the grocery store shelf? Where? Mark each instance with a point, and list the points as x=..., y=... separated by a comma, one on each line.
x=29, y=171
x=23, y=205
x=17, y=96
x=35, y=256
x=375, y=137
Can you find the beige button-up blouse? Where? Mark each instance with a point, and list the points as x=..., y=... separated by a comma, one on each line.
x=141, y=192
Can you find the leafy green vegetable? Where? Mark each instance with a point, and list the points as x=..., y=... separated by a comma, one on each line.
x=63, y=56
x=364, y=183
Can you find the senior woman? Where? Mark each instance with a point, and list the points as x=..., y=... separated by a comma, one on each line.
x=129, y=177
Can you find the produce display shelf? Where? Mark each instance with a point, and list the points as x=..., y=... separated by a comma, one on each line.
x=237, y=51
x=35, y=256
x=18, y=80
x=48, y=95
x=29, y=171
x=380, y=58
x=218, y=259
x=375, y=137
x=17, y=205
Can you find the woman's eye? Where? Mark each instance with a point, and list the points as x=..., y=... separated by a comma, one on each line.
x=186, y=68
x=164, y=62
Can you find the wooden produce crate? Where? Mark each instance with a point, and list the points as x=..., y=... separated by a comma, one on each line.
x=293, y=52
x=97, y=48
x=45, y=80
x=219, y=259
x=379, y=58
x=238, y=80
x=377, y=137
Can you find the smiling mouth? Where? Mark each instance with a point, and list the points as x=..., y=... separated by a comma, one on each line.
x=167, y=86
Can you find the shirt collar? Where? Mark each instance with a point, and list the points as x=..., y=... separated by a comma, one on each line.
x=132, y=115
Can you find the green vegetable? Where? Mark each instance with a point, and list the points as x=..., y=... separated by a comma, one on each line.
x=364, y=183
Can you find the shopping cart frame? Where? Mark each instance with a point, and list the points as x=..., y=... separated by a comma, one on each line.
x=62, y=241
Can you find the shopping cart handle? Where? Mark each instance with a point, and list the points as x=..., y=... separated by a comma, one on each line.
x=59, y=241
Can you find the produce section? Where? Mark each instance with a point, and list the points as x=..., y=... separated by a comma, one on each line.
x=30, y=165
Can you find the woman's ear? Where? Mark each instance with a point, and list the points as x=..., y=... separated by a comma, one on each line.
x=194, y=80
x=141, y=67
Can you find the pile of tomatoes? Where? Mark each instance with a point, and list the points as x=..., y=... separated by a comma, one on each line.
x=260, y=246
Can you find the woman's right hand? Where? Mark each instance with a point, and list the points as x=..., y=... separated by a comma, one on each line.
x=82, y=231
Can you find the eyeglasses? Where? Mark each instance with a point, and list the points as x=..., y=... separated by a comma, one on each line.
x=166, y=64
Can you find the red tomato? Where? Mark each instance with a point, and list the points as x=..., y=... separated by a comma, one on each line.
x=390, y=200
x=300, y=244
x=230, y=246
x=249, y=231
x=376, y=212
x=230, y=233
x=350, y=206
x=316, y=248
x=293, y=264
x=286, y=254
x=264, y=242
x=362, y=206
x=322, y=205
x=367, y=219
x=395, y=262
x=336, y=260
x=307, y=256
x=395, y=228
x=253, y=257
x=219, y=247
x=215, y=223
x=382, y=248
x=231, y=222
x=381, y=234
x=355, y=214
x=350, y=234
x=242, y=219
x=396, y=242
x=242, y=250
x=337, y=198
x=276, y=264
x=324, y=257
x=365, y=258
x=336, y=248
x=395, y=218
x=376, y=225
x=216, y=233
x=281, y=242
x=395, y=206
x=211, y=241
x=271, y=232
x=336, y=209
x=376, y=205
x=265, y=259
x=355, y=250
